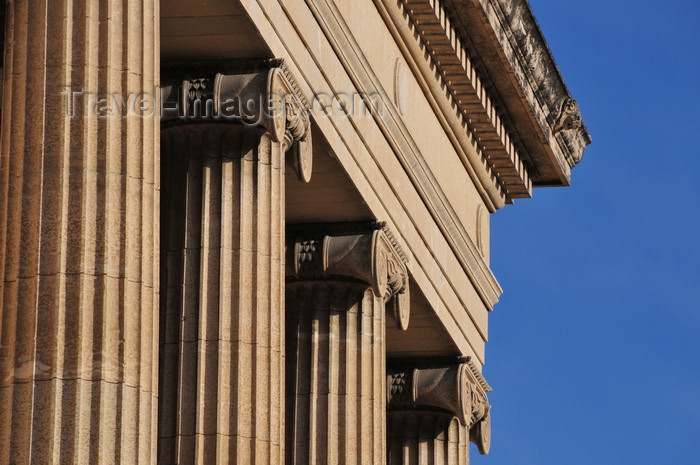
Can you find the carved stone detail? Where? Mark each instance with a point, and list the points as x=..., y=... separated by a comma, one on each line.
x=369, y=257
x=480, y=431
x=569, y=117
x=453, y=388
x=269, y=98
x=399, y=387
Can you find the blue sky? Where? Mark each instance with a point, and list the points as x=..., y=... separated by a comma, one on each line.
x=594, y=351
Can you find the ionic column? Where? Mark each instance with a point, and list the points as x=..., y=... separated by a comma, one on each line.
x=339, y=288
x=222, y=382
x=79, y=207
x=433, y=413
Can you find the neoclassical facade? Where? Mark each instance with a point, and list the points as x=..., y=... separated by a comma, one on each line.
x=257, y=231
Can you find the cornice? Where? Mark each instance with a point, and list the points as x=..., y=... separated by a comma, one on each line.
x=517, y=65
x=432, y=27
x=450, y=118
x=503, y=83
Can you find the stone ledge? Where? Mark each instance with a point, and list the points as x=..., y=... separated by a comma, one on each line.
x=529, y=96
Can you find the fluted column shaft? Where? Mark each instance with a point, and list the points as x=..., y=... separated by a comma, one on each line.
x=223, y=328
x=79, y=204
x=335, y=382
x=426, y=438
x=222, y=317
x=339, y=288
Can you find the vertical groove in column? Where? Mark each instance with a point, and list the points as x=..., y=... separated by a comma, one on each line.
x=79, y=197
x=335, y=357
x=379, y=385
x=426, y=438
x=221, y=331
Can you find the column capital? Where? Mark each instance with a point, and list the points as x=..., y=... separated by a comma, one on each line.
x=257, y=94
x=372, y=256
x=455, y=387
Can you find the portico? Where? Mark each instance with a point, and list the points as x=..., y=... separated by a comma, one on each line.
x=283, y=257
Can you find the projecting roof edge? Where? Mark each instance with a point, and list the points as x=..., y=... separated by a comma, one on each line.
x=532, y=90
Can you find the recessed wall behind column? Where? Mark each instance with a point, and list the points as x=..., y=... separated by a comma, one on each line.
x=330, y=196
x=211, y=30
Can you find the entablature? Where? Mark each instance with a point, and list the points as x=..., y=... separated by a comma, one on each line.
x=384, y=159
x=519, y=66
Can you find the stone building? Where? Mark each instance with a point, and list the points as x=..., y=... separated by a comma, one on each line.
x=257, y=231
